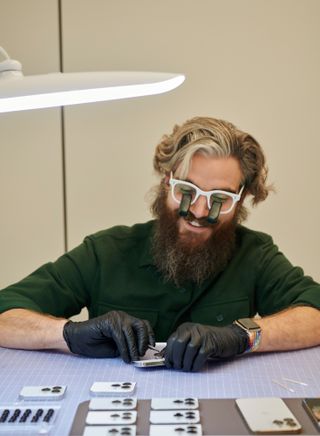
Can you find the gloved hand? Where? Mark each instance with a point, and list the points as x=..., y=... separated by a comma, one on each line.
x=110, y=335
x=189, y=347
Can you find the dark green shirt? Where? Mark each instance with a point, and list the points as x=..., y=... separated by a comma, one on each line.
x=113, y=269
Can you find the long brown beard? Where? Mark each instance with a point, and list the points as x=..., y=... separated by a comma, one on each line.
x=181, y=260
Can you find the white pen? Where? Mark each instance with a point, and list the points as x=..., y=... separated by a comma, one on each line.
x=294, y=381
x=283, y=385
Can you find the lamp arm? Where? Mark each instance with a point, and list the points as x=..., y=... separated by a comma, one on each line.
x=4, y=53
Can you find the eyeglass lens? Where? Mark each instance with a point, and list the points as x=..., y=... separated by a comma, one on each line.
x=180, y=189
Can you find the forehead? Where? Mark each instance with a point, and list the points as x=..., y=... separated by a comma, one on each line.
x=208, y=172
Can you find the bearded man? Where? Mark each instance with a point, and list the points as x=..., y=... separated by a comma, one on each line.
x=194, y=276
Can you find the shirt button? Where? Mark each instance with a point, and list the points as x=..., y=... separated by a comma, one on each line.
x=219, y=317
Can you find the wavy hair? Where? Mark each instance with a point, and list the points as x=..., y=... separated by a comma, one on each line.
x=218, y=138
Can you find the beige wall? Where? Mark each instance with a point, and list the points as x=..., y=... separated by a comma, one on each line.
x=253, y=62
x=31, y=225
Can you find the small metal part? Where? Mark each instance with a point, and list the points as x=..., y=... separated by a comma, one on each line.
x=158, y=354
x=295, y=381
x=283, y=386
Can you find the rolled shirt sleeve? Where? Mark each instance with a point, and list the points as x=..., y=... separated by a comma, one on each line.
x=280, y=284
x=60, y=288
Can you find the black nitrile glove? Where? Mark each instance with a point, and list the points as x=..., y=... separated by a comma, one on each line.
x=110, y=335
x=189, y=347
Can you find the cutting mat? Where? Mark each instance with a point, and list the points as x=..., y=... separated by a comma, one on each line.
x=247, y=376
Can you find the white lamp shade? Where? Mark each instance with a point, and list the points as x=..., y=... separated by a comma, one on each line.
x=18, y=92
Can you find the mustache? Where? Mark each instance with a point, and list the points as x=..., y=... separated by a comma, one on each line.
x=203, y=221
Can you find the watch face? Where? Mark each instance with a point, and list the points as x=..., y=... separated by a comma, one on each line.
x=248, y=324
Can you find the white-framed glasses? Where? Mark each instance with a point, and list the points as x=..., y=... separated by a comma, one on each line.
x=179, y=188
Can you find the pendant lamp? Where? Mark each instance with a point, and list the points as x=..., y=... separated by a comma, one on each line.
x=19, y=92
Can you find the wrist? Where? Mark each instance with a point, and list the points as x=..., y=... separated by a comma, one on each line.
x=57, y=341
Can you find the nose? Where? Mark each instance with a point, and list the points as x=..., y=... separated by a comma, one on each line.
x=200, y=207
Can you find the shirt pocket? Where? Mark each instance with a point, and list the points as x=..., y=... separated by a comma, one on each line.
x=221, y=313
x=141, y=313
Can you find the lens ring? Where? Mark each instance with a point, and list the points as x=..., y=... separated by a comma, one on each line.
x=180, y=189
